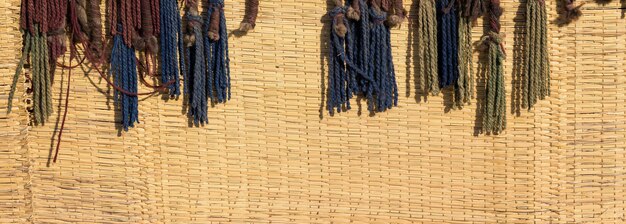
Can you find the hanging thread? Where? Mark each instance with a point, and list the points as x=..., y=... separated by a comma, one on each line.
x=124, y=70
x=536, y=83
x=494, y=115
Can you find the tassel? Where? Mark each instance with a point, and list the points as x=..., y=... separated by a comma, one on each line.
x=94, y=20
x=464, y=88
x=172, y=48
x=195, y=81
x=124, y=70
x=339, y=95
x=427, y=26
x=249, y=20
x=448, y=43
x=537, y=73
x=381, y=68
x=494, y=116
x=216, y=53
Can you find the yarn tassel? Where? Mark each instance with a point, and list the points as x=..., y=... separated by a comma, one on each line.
x=339, y=96
x=537, y=73
x=494, y=116
x=381, y=67
x=172, y=48
x=448, y=43
x=427, y=26
x=469, y=11
x=195, y=81
x=216, y=53
x=249, y=20
x=124, y=70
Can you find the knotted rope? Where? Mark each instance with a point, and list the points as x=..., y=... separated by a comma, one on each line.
x=448, y=43
x=537, y=73
x=494, y=116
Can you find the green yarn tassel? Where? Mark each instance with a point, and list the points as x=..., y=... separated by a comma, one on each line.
x=427, y=46
x=536, y=83
x=494, y=116
x=465, y=83
x=36, y=47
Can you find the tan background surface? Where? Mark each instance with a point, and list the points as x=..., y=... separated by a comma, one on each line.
x=269, y=155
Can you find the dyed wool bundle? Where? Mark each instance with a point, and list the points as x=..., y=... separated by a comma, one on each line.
x=360, y=60
x=216, y=53
x=469, y=11
x=427, y=45
x=43, y=24
x=494, y=115
x=568, y=12
x=249, y=20
x=448, y=43
x=172, y=45
x=123, y=62
x=195, y=81
x=536, y=83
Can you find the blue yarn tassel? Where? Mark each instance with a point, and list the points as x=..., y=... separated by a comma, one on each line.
x=447, y=24
x=195, y=81
x=124, y=70
x=336, y=68
x=171, y=45
x=381, y=65
x=216, y=53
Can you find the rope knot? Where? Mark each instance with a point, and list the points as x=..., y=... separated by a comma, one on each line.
x=194, y=22
x=493, y=39
x=338, y=15
x=378, y=18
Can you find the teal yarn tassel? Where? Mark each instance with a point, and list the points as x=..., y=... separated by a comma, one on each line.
x=124, y=70
x=172, y=46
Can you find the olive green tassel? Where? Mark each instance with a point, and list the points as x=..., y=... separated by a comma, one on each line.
x=494, y=116
x=465, y=84
x=37, y=48
x=427, y=46
x=536, y=83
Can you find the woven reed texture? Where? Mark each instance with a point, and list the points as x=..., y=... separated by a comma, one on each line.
x=273, y=154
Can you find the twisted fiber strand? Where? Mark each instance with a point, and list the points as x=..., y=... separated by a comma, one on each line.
x=421, y=42
x=544, y=52
x=463, y=88
x=380, y=48
x=28, y=39
x=217, y=57
x=432, y=47
x=537, y=75
x=36, y=77
x=125, y=72
x=337, y=69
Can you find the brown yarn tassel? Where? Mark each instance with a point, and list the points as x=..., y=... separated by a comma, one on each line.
x=249, y=20
x=94, y=20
